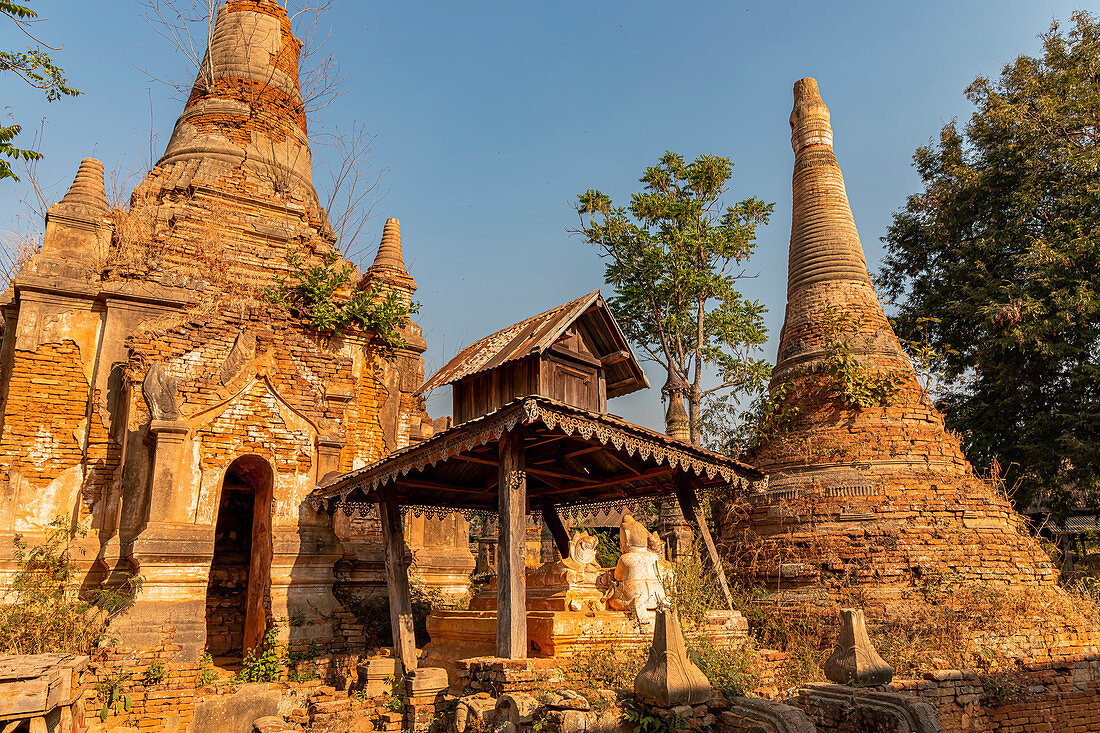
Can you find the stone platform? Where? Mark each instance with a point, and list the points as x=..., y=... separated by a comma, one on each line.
x=462, y=634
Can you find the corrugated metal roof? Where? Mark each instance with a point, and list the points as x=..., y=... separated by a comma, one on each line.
x=1075, y=524
x=531, y=336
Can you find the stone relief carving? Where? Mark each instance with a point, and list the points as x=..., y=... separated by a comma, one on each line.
x=243, y=351
x=159, y=390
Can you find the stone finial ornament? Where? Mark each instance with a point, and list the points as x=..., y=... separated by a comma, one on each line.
x=677, y=424
x=855, y=661
x=159, y=390
x=77, y=226
x=87, y=189
x=390, y=255
x=669, y=677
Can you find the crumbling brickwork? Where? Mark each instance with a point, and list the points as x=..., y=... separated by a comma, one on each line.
x=869, y=499
x=143, y=363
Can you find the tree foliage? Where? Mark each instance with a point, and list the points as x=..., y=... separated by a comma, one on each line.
x=996, y=267
x=36, y=67
x=674, y=257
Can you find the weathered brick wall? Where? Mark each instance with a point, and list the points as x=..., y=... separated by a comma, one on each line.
x=325, y=695
x=49, y=450
x=302, y=371
x=1049, y=698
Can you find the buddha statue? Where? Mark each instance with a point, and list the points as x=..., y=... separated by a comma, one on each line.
x=568, y=584
x=635, y=584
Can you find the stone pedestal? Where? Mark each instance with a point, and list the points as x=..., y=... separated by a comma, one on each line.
x=424, y=688
x=173, y=560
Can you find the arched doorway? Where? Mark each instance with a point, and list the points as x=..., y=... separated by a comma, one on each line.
x=238, y=592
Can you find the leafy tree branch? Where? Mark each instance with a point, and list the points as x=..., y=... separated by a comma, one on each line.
x=674, y=257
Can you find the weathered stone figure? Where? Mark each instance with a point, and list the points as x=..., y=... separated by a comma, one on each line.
x=635, y=583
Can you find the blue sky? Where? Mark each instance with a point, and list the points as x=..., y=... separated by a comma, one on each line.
x=491, y=116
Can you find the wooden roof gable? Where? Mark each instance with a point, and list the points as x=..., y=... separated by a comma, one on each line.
x=538, y=333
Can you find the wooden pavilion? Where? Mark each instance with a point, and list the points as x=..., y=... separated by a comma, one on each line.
x=534, y=436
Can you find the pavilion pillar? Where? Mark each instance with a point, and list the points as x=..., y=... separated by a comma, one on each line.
x=689, y=505
x=397, y=581
x=511, y=581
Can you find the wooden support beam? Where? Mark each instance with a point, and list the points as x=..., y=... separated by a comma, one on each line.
x=537, y=471
x=474, y=459
x=689, y=505
x=615, y=357
x=546, y=441
x=647, y=474
x=557, y=527
x=624, y=464
x=512, y=541
x=397, y=581
x=415, y=483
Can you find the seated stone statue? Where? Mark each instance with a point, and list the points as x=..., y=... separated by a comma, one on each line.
x=567, y=584
x=635, y=583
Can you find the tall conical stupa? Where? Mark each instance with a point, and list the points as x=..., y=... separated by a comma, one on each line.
x=233, y=193
x=876, y=497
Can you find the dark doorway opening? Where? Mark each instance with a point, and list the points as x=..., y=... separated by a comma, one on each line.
x=238, y=593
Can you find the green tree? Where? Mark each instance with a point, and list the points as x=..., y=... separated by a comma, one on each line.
x=996, y=265
x=674, y=257
x=34, y=66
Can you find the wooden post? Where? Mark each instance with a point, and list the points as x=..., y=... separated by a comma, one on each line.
x=689, y=505
x=511, y=581
x=397, y=581
x=556, y=526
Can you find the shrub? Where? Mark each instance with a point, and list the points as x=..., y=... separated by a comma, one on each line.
x=44, y=614
x=207, y=675
x=263, y=663
x=325, y=296
x=851, y=382
x=154, y=673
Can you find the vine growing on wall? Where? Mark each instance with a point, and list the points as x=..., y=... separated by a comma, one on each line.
x=324, y=295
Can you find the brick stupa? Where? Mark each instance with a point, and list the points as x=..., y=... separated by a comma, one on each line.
x=154, y=398
x=875, y=498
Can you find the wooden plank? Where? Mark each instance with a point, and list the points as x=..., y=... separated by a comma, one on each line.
x=397, y=581
x=689, y=505
x=557, y=527
x=511, y=580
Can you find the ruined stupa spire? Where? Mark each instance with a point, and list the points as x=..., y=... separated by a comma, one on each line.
x=246, y=107
x=77, y=226
x=826, y=267
x=389, y=255
x=87, y=189
x=389, y=263
x=824, y=242
x=869, y=492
